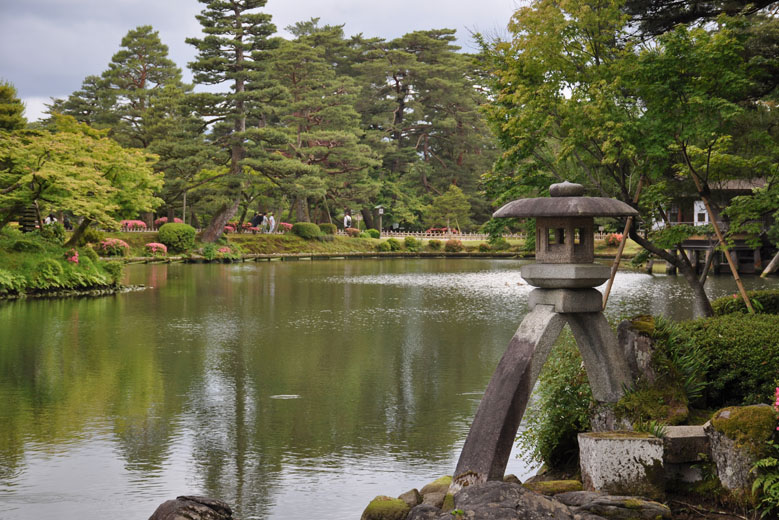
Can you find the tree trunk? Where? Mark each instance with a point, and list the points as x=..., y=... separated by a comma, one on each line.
x=76, y=236
x=217, y=225
x=301, y=210
x=768, y=270
x=367, y=216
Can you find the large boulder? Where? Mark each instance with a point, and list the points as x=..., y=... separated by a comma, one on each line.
x=613, y=507
x=386, y=508
x=193, y=508
x=506, y=501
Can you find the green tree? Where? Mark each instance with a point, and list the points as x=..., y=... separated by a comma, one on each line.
x=452, y=207
x=234, y=50
x=11, y=109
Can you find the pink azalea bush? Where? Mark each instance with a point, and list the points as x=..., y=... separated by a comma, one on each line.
x=224, y=250
x=155, y=248
x=614, y=239
x=113, y=247
x=229, y=229
x=133, y=224
x=284, y=226
x=164, y=220
x=352, y=232
x=72, y=256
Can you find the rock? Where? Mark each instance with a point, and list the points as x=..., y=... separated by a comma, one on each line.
x=448, y=504
x=633, y=337
x=193, y=508
x=613, y=507
x=511, y=478
x=495, y=500
x=622, y=463
x=413, y=498
x=737, y=436
x=684, y=444
x=424, y=512
x=386, y=508
x=434, y=498
x=554, y=487
x=439, y=485
x=603, y=419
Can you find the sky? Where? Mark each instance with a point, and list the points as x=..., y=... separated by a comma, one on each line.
x=47, y=47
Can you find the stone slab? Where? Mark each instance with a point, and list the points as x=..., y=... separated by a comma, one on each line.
x=567, y=300
x=685, y=444
x=565, y=276
x=622, y=463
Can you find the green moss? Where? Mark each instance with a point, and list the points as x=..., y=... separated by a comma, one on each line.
x=554, y=487
x=439, y=485
x=385, y=508
x=665, y=401
x=748, y=426
x=448, y=503
x=633, y=503
x=644, y=323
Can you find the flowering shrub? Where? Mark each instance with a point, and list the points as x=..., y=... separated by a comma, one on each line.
x=440, y=230
x=164, y=220
x=284, y=226
x=113, y=247
x=352, y=232
x=229, y=229
x=155, y=248
x=133, y=224
x=614, y=239
x=453, y=246
x=435, y=245
x=72, y=256
x=224, y=250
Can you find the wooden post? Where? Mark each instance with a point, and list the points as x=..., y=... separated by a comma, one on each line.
x=615, y=265
x=771, y=266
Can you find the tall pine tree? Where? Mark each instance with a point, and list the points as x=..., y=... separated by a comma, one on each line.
x=233, y=51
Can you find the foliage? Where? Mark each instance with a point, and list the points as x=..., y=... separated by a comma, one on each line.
x=54, y=232
x=412, y=244
x=742, y=353
x=178, y=238
x=11, y=109
x=484, y=247
x=113, y=247
x=92, y=235
x=155, y=249
x=11, y=283
x=394, y=244
x=383, y=247
x=652, y=427
x=306, y=230
x=453, y=246
x=766, y=301
x=561, y=410
x=132, y=224
x=500, y=244
x=115, y=270
x=435, y=245
x=767, y=469
x=374, y=233
x=328, y=228
x=353, y=232
x=614, y=239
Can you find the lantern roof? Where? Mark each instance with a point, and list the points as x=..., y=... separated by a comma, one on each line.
x=567, y=200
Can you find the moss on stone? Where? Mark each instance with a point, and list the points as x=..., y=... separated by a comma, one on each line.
x=554, y=487
x=386, y=508
x=665, y=401
x=437, y=486
x=644, y=323
x=748, y=426
x=448, y=503
x=632, y=503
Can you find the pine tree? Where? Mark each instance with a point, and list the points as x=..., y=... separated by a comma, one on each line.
x=11, y=109
x=235, y=46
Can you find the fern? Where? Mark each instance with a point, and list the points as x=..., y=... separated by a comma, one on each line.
x=766, y=485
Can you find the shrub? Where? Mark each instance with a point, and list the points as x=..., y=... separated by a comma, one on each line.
x=435, y=245
x=374, y=233
x=742, y=351
x=762, y=301
x=164, y=220
x=155, y=248
x=24, y=245
x=484, y=247
x=114, y=270
x=614, y=239
x=91, y=236
x=363, y=234
x=48, y=274
x=54, y=232
x=132, y=224
x=394, y=244
x=500, y=244
x=229, y=229
x=327, y=228
x=177, y=237
x=90, y=253
x=284, y=227
x=11, y=283
x=453, y=246
x=353, y=232
x=113, y=247
x=306, y=230
x=412, y=244
x=384, y=247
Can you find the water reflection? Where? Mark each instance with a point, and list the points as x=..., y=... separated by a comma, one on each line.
x=291, y=390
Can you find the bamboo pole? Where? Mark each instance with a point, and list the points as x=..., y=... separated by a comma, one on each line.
x=721, y=239
x=618, y=258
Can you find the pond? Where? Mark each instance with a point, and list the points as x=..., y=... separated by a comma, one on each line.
x=289, y=389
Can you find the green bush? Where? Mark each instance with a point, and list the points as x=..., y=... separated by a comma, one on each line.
x=742, y=351
x=484, y=247
x=328, y=229
x=561, y=410
x=501, y=244
x=762, y=301
x=412, y=244
x=11, y=283
x=25, y=245
x=435, y=245
x=114, y=270
x=453, y=246
x=362, y=234
x=177, y=237
x=374, y=233
x=48, y=274
x=90, y=253
x=54, y=232
x=383, y=247
x=91, y=236
x=306, y=230
x=394, y=244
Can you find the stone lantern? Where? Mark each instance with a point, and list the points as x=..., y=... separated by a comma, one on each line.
x=565, y=276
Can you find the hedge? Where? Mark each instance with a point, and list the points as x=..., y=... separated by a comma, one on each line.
x=177, y=237
x=306, y=230
x=763, y=301
x=327, y=228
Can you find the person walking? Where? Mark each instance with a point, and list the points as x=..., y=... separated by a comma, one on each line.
x=271, y=223
x=347, y=220
x=264, y=223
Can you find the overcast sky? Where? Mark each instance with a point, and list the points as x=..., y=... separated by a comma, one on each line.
x=47, y=47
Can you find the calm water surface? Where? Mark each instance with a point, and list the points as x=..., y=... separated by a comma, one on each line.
x=290, y=390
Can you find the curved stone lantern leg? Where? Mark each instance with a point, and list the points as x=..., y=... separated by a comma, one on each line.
x=488, y=445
